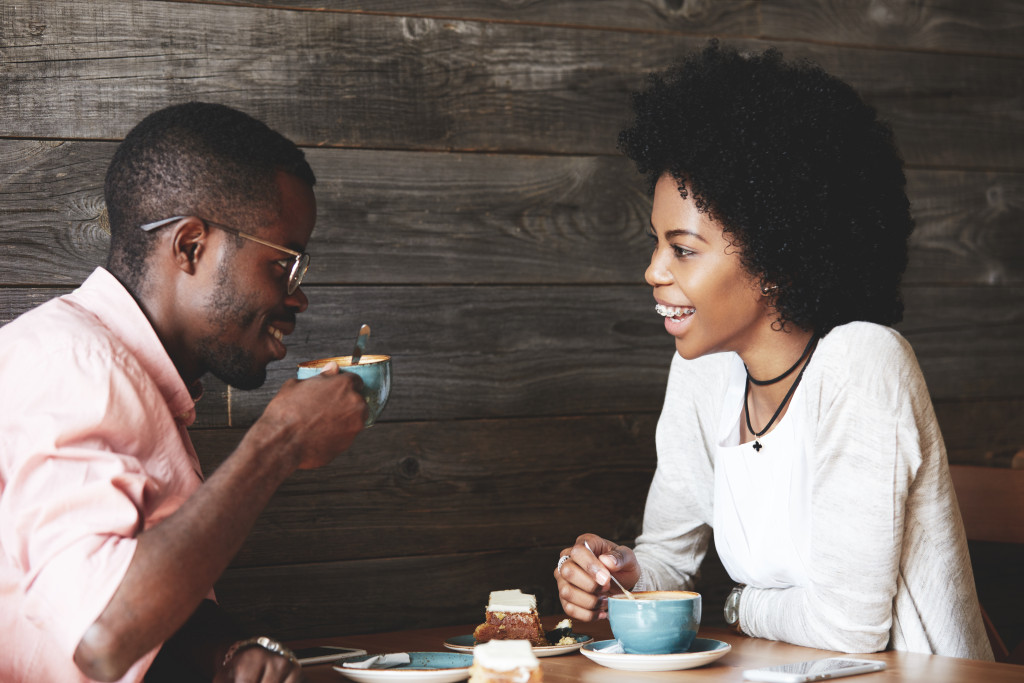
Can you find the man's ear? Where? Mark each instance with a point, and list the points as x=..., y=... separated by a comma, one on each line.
x=188, y=242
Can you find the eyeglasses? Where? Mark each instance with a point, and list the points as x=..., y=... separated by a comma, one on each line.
x=296, y=267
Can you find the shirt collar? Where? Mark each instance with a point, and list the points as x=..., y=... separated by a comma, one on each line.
x=117, y=309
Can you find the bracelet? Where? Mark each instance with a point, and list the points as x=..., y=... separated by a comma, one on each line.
x=268, y=644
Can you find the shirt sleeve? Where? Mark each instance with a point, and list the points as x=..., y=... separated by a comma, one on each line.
x=678, y=513
x=73, y=496
x=866, y=456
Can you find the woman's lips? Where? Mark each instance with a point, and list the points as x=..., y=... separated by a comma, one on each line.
x=677, y=318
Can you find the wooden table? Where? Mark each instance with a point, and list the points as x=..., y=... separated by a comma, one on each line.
x=747, y=653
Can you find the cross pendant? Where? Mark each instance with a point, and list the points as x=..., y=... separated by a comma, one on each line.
x=757, y=445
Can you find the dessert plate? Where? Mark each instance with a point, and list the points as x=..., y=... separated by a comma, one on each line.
x=423, y=667
x=703, y=651
x=465, y=644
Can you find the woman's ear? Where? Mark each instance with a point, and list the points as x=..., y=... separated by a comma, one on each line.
x=188, y=242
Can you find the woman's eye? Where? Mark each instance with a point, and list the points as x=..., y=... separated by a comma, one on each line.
x=681, y=252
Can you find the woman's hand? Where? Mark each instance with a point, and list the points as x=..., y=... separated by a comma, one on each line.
x=584, y=581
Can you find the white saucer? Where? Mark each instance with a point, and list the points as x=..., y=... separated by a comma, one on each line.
x=703, y=651
x=465, y=644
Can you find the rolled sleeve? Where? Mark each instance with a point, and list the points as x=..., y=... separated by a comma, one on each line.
x=71, y=521
x=85, y=470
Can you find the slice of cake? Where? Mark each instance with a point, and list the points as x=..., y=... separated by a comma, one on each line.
x=511, y=615
x=505, y=661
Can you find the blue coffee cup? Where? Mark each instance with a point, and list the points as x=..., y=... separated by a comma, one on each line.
x=656, y=622
x=375, y=371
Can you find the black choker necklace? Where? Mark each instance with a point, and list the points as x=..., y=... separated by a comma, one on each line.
x=787, y=373
x=746, y=392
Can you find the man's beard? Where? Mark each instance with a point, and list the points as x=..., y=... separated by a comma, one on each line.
x=232, y=364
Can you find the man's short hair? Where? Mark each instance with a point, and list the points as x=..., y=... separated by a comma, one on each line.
x=200, y=159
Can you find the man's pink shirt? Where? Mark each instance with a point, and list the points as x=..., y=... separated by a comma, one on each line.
x=93, y=451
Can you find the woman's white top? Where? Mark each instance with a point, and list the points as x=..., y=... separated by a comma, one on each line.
x=762, y=516
x=845, y=525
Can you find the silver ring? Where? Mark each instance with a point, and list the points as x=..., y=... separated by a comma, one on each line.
x=561, y=560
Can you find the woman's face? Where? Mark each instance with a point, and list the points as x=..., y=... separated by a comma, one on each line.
x=710, y=303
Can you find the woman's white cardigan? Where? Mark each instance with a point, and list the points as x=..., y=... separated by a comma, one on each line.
x=889, y=565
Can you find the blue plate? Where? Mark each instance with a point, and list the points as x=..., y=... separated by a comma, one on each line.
x=432, y=667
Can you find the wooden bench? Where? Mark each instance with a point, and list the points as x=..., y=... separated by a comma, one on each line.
x=992, y=505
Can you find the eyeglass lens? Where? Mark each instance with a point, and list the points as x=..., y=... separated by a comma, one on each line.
x=298, y=271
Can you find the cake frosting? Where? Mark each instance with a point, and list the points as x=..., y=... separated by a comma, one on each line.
x=511, y=601
x=505, y=661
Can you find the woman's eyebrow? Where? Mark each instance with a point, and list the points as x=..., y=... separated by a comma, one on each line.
x=684, y=233
x=678, y=232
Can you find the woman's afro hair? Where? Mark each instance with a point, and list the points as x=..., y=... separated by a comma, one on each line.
x=795, y=167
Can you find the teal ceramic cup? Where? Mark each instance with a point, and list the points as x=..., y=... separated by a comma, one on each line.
x=375, y=370
x=656, y=623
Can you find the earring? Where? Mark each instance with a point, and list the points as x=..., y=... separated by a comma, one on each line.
x=768, y=289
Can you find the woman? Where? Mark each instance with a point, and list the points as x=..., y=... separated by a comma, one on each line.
x=796, y=424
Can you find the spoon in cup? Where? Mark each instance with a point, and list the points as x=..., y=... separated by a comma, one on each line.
x=357, y=352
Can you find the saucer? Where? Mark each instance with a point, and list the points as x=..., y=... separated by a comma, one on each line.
x=465, y=644
x=423, y=667
x=703, y=651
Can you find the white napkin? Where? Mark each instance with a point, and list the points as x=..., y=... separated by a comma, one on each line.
x=380, y=661
x=615, y=648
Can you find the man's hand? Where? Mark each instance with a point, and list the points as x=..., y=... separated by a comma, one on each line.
x=584, y=580
x=323, y=414
x=256, y=665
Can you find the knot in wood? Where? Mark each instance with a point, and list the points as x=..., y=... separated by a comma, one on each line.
x=409, y=467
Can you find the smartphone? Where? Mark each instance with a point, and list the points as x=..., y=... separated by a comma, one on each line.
x=814, y=670
x=326, y=653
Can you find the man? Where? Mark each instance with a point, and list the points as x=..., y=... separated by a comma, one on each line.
x=110, y=540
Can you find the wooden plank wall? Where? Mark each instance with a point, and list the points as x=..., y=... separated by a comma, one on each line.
x=474, y=211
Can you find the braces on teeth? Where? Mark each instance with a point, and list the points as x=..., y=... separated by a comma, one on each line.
x=673, y=311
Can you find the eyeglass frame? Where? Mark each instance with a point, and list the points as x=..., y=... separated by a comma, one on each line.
x=296, y=272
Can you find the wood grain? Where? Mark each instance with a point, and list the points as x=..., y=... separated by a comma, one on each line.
x=941, y=323
x=360, y=596
x=722, y=17
x=970, y=228
x=457, y=487
x=437, y=83
x=979, y=26
x=410, y=217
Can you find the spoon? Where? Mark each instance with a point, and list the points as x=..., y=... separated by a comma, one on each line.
x=612, y=576
x=357, y=352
